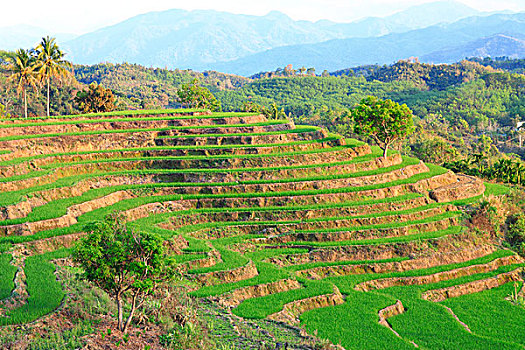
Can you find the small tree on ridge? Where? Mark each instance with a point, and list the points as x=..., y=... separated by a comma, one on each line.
x=95, y=99
x=197, y=96
x=127, y=265
x=385, y=121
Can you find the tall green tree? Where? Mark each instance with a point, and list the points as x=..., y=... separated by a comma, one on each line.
x=95, y=99
x=127, y=265
x=385, y=121
x=197, y=96
x=51, y=63
x=23, y=73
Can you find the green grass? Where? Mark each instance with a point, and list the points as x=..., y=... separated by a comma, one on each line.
x=19, y=160
x=355, y=323
x=267, y=274
x=7, y=198
x=45, y=292
x=230, y=259
x=391, y=240
x=431, y=326
x=301, y=267
x=135, y=202
x=195, y=158
x=506, y=319
x=182, y=258
x=138, y=130
x=264, y=306
x=216, y=224
x=131, y=119
x=7, y=275
x=298, y=130
x=58, y=207
x=144, y=112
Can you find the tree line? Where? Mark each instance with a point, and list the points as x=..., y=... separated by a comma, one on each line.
x=30, y=68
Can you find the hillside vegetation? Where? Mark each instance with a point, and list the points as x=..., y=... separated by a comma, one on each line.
x=275, y=226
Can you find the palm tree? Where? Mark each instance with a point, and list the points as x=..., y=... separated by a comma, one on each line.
x=23, y=72
x=51, y=63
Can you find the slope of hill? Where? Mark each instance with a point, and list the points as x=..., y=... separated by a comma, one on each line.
x=336, y=54
x=499, y=45
x=154, y=87
x=191, y=39
x=273, y=221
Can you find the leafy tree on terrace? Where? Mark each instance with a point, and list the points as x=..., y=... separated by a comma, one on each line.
x=22, y=69
x=197, y=96
x=435, y=149
x=127, y=265
x=51, y=63
x=95, y=99
x=516, y=232
x=385, y=121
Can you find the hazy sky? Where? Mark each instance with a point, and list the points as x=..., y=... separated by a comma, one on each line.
x=82, y=16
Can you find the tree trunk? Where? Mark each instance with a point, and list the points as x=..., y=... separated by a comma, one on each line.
x=385, y=151
x=130, y=317
x=48, y=81
x=120, y=311
x=25, y=103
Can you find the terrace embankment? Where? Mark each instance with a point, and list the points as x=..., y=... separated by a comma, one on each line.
x=440, y=276
x=252, y=209
x=291, y=311
x=234, y=298
x=441, y=294
x=430, y=259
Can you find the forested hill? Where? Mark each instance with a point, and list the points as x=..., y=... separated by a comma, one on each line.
x=469, y=107
x=429, y=76
x=473, y=91
x=138, y=86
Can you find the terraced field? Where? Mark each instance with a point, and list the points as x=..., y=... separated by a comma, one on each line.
x=269, y=219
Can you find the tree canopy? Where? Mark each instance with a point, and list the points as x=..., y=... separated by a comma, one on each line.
x=95, y=99
x=23, y=74
x=127, y=265
x=50, y=63
x=197, y=96
x=385, y=121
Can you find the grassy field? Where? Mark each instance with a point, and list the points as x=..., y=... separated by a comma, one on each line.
x=282, y=210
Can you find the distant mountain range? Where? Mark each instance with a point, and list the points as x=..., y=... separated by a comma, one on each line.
x=241, y=44
x=340, y=53
x=510, y=45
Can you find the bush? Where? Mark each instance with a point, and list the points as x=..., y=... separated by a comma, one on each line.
x=516, y=232
x=96, y=99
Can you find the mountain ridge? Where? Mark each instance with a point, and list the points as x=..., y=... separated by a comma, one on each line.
x=195, y=39
x=381, y=50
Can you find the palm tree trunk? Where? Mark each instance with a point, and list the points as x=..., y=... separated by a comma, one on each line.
x=48, y=97
x=25, y=103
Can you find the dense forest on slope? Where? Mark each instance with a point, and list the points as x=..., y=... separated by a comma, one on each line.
x=138, y=86
x=506, y=63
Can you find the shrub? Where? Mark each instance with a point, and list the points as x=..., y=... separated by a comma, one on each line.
x=127, y=265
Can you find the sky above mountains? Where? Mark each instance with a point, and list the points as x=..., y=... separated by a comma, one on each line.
x=66, y=16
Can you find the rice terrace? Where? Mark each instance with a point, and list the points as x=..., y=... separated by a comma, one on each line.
x=286, y=226
x=342, y=175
